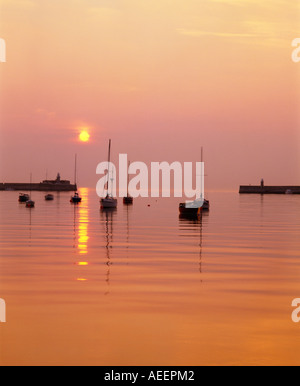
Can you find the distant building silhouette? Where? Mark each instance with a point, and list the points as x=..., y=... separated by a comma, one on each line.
x=57, y=181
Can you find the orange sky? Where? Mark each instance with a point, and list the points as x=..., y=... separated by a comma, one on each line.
x=160, y=77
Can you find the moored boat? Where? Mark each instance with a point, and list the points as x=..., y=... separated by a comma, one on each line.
x=30, y=204
x=23, y=197
x=195, y=208
x=128, y=200
x=76, y=199
x=109, y=202
x=49, y=197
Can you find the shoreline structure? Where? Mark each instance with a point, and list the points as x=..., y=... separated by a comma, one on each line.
x=262, y=189
x=57, y=185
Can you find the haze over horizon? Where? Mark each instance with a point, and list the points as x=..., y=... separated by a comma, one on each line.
x=160, y=78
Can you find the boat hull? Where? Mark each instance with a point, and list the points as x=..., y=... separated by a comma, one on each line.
x=189, y=212
x=23, y=198
x=108, y=203
x=75, y=200
x=128, y=200
x=194, y=212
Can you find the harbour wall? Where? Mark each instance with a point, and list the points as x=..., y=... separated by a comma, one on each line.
x=269, y=189
x=38, y=187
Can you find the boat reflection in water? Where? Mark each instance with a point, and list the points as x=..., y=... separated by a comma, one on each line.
x=127, y=209
x=49, y=197
x=192, y=227
x=107, y=216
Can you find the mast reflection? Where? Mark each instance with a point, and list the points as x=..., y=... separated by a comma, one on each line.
x=193, y=227
x=127, y=208
x=107, y=215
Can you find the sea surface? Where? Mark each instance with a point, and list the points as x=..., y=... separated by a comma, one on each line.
x=140, y=286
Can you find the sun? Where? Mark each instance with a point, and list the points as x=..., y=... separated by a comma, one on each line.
x=84, y=136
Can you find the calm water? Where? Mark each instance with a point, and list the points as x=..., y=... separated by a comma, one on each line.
x=139, y=286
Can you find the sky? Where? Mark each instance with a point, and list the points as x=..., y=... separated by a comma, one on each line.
x=161, y=78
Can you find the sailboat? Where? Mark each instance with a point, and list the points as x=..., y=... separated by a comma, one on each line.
x=109, y=202
x=195, y=208
x=128, y=200
x=30, y=203
x=76, y=199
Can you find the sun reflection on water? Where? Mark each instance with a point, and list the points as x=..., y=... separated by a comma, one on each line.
x=81, y=233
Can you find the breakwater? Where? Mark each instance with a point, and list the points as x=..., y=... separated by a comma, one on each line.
x=42, y=187
x=269, y=189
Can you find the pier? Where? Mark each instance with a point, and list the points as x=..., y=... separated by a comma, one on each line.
x=57, y=185
x=269, y=189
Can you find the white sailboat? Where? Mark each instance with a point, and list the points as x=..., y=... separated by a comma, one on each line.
x=109, y=202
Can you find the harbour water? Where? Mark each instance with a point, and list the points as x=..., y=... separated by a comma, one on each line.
x=140, y=286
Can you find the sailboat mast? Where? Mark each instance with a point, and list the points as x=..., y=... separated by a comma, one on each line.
x=201, y=197
x=128, y=179
x=108, y=175
x=75, y=176
x=30, y=184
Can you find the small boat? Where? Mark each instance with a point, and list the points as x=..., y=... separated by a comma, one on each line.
x=30, y=204
x=109, y=202
x=195, y=208
x=128, y=200
x=76, y=199
x=49, y=197
x=23, y=197
x=190, y=210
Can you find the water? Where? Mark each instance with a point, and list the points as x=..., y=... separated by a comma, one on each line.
x=140, y=286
